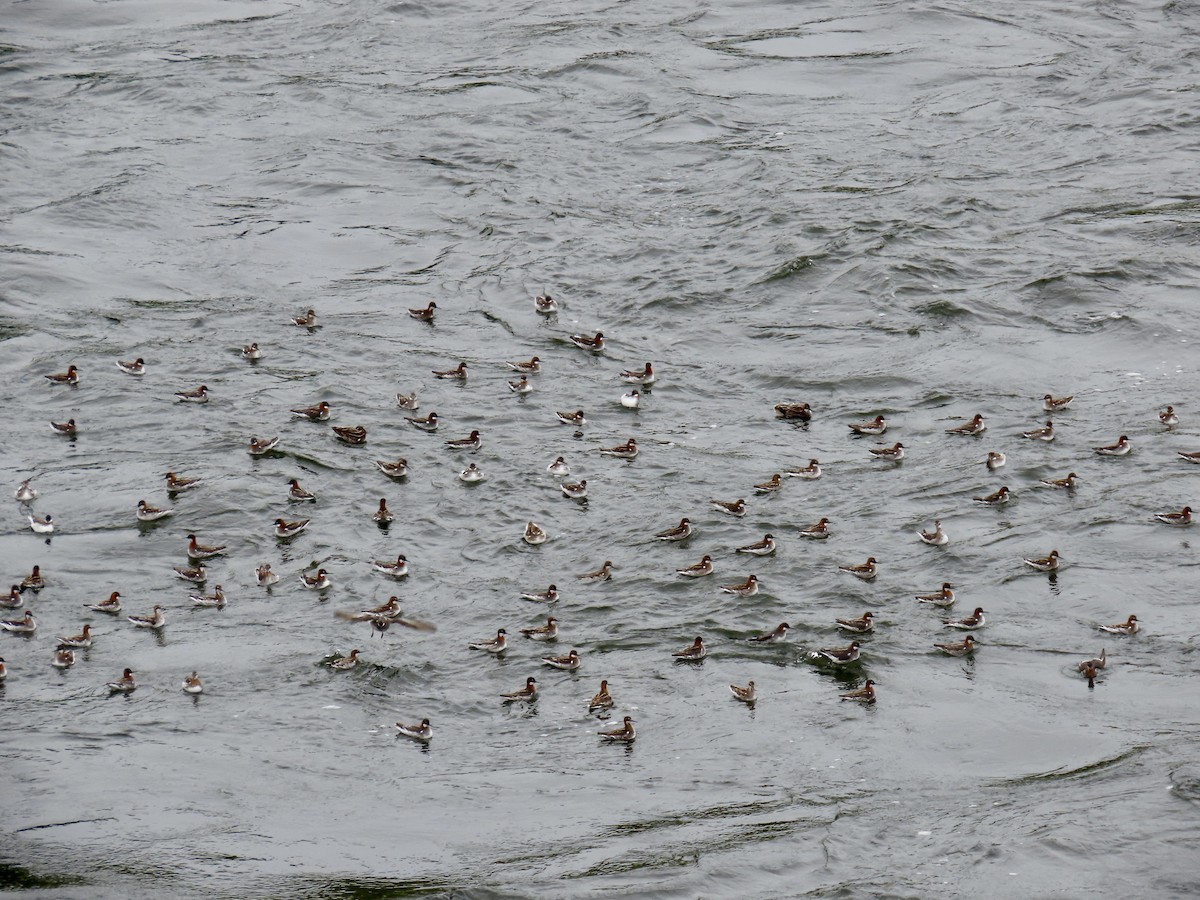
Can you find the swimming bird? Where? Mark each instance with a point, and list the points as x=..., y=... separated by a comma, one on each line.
x=876, y=426
x=995, y=460
x=318, y=582
x=397, y=569
x=696, y=570
x=1168, y=417
x=528, y=693
x=424, y=315
x=1046, y=563
x=1096, y=662
x=147, y=513
x=111, y=605
x=866, y=571
x=595, y=344
x=545, y=304
x=198, y=395
x=196, y=550
x=797, y=411
x=602, y=699
x=1054, y=404
x=192, y=684
x=576, y=491
x=861, y=625
x=137, y=367
x=265, y=576
x=251, y=351
x=26, y=625
x=521, y=386
x=559, y=467
x=943, y=598
x=935, y=538
x=71, y=376
x=33, y=581
x=735, y=508
x=1120, y=448
x=177, y=484
x=285, y=529
x=632, y=400
x=422, y=732
x=623, y=735
x=571, y=418
x=383, y=515
x=263, y=447
x=216, y=598
x=425, y=423
x=397, y=469
x=41, y=524
x=963, y=648
x=628, y=450
x=125, y=685
x=997, y=498
x=318, y=413
x=472, y=474
x=811, y=472
x=298, y=494
x=975, y=426
x=680, y=532
x=458, y=373
x=66, y=428
x=3, y=669
x=531, y=366
x=157, y=619
x=774, y=636
x=1129, y=626
x=604, y=573
x=308, y=320
x=970, y=623
x=765, y=547
x=747, y=588
x=818, y=531
x=568, y=663
x=80, y=641
x=407, y=401
x=841, y=655
x=770, y=486
x=550, y=595
x=644, y=377
x=894, y=453
x=24, y=493
x=865, y=694
x=746, y=694
x=547, y=632
x=470, y=442
x=64, y=658
x=197, y=575
x=1068, y=483
x=14, y=600
x=498, y=644
x=535, y=534
x=1045, y=434
x=345, y=663
x=354, y=434
x=1189, y=457
x=693, y=652
x=1183, y=517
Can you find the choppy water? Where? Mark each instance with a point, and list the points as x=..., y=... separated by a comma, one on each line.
x=921, y=210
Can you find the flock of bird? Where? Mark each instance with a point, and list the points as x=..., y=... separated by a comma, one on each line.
x=390, y=614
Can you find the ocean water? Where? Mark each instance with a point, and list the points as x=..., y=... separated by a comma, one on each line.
x=924, y=211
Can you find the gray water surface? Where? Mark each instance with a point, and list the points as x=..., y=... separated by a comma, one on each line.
x=924, y=211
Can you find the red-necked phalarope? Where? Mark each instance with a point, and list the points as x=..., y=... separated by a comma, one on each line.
x=318, y=413
x=192, y=684
x=535, y=534
x=424, y=315
x=798, y=411
x=894, y=453
x=876, y=426
x=970, y=623
x=1120, y=448
x=623, y=735
x=1046, y=563
x=498, y=644
x=811, y=472
x=866, y=571
x=693, y=652
x=937, y=537
x=604, y=573
x=198, y=395
x=397, y=469
x=550, y=595
x=765, y=547
x=1068, y=483
x=774, y=636
x=353, y=434
x=963, y=648
x=975, y=426
x=861, y=625
x=943, y=598
x=308, y=320
x=157, y=619
x=595, y=344
x=747, y=588
x=865, y=694
x=841, y=655
x=547, y=632
x=644, y=376
x=71, y=376
x=261, y=448
x=1129, y=626
x=568, y=663
x=459, y=372
x=746, y=694
x=696, y=570
x=1045, y=433
x=1054, y=404
x=137, y=367
x=147, y=513
x=422, y=732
